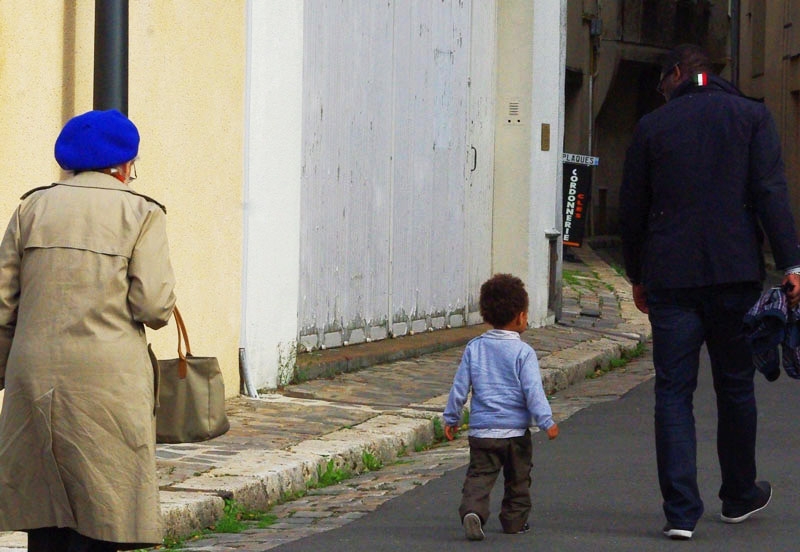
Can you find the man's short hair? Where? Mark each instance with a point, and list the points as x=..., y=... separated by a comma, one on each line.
x=690, y=57
x=503, y=297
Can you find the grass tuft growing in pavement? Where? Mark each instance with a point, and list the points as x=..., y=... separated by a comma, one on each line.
x=371, y=463
x=578, y=280
x=235, y=519
x=438, y=429
x=570, y=278
x=616, y=363
x=330, y=476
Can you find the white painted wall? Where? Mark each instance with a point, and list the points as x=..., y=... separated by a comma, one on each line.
x=527, y=187
x=272, y=187
x=428, y=276
x=547, y=108
x=363, y=216
x=480, y=163
x=347, y=163
x=384, y=230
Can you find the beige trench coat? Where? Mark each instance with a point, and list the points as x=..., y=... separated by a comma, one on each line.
x=84, y=265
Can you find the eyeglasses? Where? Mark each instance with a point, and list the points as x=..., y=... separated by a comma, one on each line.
x=662, y=77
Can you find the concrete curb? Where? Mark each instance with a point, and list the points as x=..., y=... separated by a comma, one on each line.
x=258, y=480
x=563, y=368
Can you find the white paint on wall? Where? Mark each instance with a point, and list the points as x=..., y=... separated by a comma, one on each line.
x=272, y=187
x=547, y=108
x=480, y=160
x=430, y=157
x=346, y=171
x=384, y=241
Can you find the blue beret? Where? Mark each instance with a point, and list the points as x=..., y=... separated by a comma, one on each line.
x=96, y=140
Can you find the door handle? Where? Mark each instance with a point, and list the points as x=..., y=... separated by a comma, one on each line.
x=474, y=158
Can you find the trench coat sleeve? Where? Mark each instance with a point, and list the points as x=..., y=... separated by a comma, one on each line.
x=9, y=290
x=635, y=200
x=150, y=296
x=770, y=193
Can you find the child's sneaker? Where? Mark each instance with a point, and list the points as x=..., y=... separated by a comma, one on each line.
x=472, y=527
x=525, y=529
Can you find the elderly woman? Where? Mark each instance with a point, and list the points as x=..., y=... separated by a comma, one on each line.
x=84, y=266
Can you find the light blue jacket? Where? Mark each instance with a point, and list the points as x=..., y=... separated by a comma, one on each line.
x=507, y=391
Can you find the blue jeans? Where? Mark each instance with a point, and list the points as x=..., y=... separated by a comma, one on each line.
x=682, y=320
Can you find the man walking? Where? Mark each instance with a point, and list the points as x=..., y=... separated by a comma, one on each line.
x=701, y=172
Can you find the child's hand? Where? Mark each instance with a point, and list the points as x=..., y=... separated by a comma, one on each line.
x=450, y=432
x=552, y=432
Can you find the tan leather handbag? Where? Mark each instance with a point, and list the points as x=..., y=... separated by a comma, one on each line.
x=191, y=395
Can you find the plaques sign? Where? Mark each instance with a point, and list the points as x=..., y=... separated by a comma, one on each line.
x=577, y=193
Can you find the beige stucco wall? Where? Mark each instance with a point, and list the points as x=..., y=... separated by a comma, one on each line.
x=528, y=146
x=186, y=96
x=512, y=170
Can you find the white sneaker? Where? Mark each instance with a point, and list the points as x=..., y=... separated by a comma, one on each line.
x=677, y=534
x=472, y=527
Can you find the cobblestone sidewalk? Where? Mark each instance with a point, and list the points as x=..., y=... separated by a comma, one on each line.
x=331, y=507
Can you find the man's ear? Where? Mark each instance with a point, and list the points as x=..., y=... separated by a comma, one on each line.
x=677, y=75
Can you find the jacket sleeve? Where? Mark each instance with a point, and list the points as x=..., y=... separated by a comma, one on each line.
x=530, y=378
x=770, y=193
x=634, y=205
x=150, y=295
x=459, y=392
x=9, y=290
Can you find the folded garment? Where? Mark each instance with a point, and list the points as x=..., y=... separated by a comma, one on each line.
x=772, y=329
x=791, y=344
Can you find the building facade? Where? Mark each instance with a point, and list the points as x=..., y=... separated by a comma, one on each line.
x=334, y=171
x=613, y=49
x=186, y=97
x=769, y=69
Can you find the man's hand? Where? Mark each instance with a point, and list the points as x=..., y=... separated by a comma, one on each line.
x=552, y=432
x=791, y=286
x=640, y=298
x=450, y=432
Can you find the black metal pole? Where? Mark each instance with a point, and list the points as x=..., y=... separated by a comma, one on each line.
x=111, y=55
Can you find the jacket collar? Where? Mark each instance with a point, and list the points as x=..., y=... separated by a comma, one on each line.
x=714, y=84
x=98, y=180
x=95, y=179
x=501, y=334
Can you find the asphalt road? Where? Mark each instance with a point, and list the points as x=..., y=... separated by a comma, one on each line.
x=595, y=488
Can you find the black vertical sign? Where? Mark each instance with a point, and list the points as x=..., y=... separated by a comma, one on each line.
x=577, y=192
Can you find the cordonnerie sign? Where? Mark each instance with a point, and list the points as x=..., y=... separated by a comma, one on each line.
x=577, y=192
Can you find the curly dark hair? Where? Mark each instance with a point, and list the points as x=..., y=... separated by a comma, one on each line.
x=503, y=297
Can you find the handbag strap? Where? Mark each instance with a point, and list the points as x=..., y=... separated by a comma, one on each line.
x=181, y=334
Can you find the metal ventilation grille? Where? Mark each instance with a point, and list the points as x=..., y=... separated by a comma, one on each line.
x=514, y=117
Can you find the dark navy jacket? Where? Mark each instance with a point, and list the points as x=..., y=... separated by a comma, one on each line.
x=700, y=173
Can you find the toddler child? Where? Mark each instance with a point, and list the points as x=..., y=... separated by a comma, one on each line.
x=507, y=394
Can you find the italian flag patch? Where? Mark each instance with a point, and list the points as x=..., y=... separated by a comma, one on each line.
x=701, y=79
